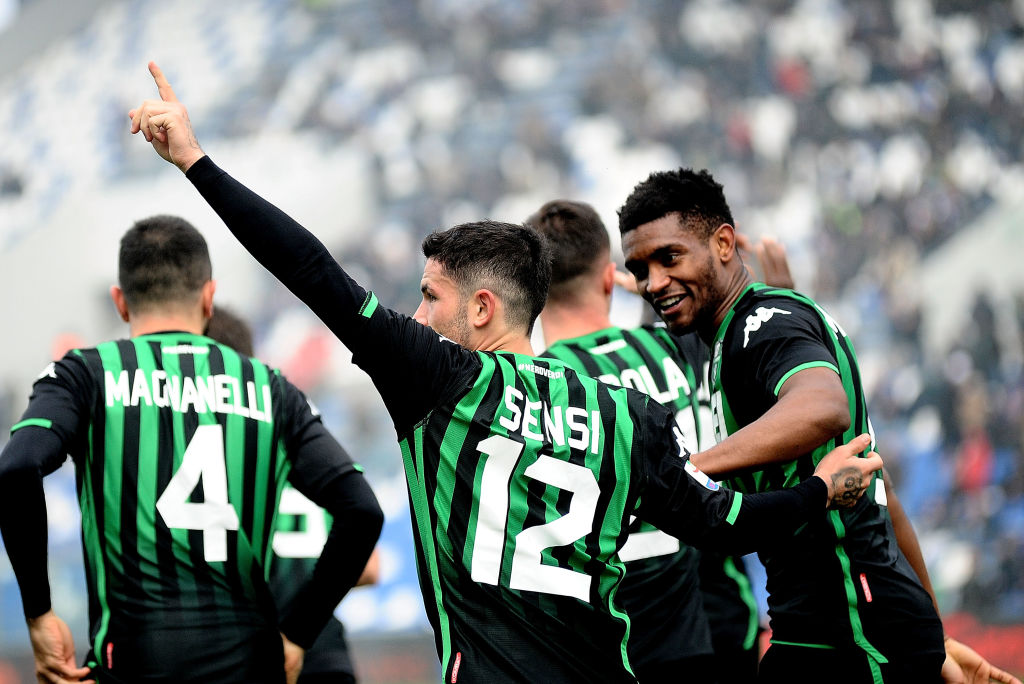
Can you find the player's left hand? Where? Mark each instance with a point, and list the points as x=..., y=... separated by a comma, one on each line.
x=964, y=665
x=293, y=657
x=846, y=474
x=54, y=651
x=166, y=125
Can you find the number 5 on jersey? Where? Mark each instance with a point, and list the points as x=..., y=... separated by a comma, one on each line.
x=214, y=516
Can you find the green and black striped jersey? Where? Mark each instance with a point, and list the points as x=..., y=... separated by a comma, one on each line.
x=841, y=580
x=661, y=589
x=181, y=447
x=522, y=475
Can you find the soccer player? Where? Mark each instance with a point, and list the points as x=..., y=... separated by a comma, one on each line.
x=843, y=599
x=182, y=447
x=298, y=541
x=676, y=621
x=522, y=474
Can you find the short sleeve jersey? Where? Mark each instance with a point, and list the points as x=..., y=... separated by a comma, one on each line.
x=181, y=448
x=841, y=577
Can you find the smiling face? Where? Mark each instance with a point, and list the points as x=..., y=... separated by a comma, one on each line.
x=443, y=308
x=679, y=273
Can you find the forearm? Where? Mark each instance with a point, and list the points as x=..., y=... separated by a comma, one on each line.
x=23, y=514
x=766, y=517
x=286, y=249
x=794, y=426
x=354, y=533
x=731, y=522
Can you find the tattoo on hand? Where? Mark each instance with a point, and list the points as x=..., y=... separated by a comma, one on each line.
x=847, y=484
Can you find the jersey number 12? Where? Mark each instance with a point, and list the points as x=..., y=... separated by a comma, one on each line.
x=528, y=572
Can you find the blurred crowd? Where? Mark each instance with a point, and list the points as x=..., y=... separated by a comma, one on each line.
x=864, y=135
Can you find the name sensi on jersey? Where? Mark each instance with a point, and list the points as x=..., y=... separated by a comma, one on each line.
x=539, y=422
x=209, y=394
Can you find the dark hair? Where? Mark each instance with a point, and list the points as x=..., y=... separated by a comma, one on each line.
x=577, y=238
x=163, y=259
x=227, y=327
x=693, y=195
x=510, y=260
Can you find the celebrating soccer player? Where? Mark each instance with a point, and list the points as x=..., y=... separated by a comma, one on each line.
x=522, y=474
x=843, y=599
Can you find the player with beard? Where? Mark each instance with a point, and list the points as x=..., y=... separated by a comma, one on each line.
x=522, y=475
x=843, y=598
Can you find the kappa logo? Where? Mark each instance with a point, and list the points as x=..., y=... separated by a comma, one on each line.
x=760, y=315
x=680, y=442
x=49, y=372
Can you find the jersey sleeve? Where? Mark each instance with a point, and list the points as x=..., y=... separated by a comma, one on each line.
x=781, y=337
x=681, y=500
x=57, y=410
x=61, y=401
x=411, y=366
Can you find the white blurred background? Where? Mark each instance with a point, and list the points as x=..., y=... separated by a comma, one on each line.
x=880, y=140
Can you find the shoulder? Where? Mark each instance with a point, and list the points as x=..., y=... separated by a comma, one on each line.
x=771, y=313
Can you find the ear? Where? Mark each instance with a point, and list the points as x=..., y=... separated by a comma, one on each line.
x=482, y=308
x=608, y=279
x=117, y=294
x=723, y=243
x=206, y=297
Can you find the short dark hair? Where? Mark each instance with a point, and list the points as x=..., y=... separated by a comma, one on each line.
x=510, y=260
x=578, y=239
x=693, y=195
x=228, y=328
x=163, y=259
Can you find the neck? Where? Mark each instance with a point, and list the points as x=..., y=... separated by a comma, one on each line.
x=735, y=285
x=510, y=342
x=561, y=320
x=146, y=324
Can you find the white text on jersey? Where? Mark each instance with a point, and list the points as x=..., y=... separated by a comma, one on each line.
x=212, y=394
x=642, y=379
x=525, y=417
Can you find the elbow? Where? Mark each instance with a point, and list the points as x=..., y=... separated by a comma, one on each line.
x=833, y=417
x=369, y=517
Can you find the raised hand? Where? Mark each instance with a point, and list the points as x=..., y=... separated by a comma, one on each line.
x=626, y=281
x=54, y=651
x=165, y=124
x=771, y=256
x=846, y=474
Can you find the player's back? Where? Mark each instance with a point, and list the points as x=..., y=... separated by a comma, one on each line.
x=660, y=591
x=521, y=489
x=180, y=473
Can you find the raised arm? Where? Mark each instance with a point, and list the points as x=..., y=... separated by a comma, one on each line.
x=390, y=347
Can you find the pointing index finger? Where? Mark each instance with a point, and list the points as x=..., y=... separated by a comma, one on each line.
x=163, y=87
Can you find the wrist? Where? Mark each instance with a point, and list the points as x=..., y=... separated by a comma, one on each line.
x=191, y=159
x=830, y=492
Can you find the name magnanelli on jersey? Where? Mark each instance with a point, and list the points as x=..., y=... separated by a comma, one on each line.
x=206, y=394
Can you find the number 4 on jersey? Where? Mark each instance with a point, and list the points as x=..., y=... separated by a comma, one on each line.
x=203, y=458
